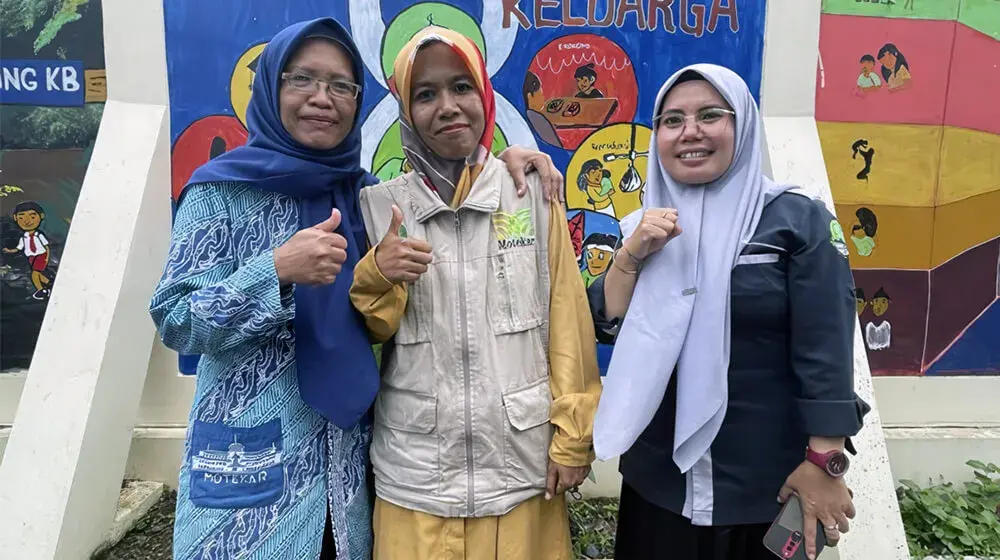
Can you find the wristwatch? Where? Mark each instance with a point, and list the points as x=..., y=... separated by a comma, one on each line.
x=834, y=463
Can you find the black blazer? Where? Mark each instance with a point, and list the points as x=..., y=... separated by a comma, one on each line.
x=791, y=372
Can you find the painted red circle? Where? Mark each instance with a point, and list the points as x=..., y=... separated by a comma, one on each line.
x=571, y=117
x=201, y=141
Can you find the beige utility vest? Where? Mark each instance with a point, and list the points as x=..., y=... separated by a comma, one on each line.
x=462, y=418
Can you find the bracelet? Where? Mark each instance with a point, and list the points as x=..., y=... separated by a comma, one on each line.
x=614, y=263
x=637, y=261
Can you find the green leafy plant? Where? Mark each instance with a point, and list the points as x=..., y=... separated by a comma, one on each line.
x=592, y=524
x=944, y=519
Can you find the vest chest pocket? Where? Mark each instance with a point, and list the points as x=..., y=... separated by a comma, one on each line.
x=512, y=291
x=416, y=325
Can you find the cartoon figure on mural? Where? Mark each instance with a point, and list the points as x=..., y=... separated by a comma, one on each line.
x=861, y=147
x=586, y=76
x=595, y=181
x=34, y=245
x=598, y=249
x=879, y=337
x=859, y=300
x=595, y=236
x=534, y=103
x=868, y=79
x=604, y=171
x=895, y=68
x=863, y=233
x=601, y=90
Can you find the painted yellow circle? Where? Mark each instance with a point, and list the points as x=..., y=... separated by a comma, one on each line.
x=610, y=186
x=241, y=83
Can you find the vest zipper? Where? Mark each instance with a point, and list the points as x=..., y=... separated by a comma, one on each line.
x=463, y=318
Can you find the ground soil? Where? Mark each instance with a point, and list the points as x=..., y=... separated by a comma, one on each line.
x=151, y=538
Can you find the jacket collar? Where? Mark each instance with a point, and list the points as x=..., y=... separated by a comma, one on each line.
x=483, y=197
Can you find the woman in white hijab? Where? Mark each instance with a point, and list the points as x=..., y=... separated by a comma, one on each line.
x=731, y=383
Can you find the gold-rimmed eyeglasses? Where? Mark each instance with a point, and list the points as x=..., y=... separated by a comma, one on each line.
x=308, y=84
x=675, y=120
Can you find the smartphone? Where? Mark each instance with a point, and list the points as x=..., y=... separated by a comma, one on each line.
x=786, y=537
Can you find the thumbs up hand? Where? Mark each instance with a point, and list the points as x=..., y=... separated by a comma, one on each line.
x=401, y=259
x=313, y=255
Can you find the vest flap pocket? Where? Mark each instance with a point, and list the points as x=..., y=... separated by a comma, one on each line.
x=528, y=406
x=406, y=411
x=415, y=327
x=512, y=291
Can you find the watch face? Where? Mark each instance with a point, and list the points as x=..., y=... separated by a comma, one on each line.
x=837, y=465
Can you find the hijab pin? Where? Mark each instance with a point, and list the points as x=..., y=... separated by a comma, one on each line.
x=689, y=292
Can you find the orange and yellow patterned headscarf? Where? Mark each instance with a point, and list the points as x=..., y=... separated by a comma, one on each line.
x=438, y=173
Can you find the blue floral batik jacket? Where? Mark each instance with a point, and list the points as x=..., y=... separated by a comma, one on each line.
x=261, y=469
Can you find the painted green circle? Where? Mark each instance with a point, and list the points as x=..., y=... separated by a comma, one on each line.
x=387, y=163
x=415, y=18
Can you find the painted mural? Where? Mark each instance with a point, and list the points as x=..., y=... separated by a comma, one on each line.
x=574, y=78
x=52, y=93
x=906, y=104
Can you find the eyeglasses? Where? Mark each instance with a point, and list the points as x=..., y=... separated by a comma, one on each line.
x=335, y=88
x=704, y=118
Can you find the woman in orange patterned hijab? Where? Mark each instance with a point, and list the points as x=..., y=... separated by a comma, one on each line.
x=489, y=378
x=446, y=147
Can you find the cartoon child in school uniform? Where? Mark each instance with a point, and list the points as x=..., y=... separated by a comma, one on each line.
x=34, y=245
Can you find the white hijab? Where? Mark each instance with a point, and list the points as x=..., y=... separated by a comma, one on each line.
x=679, y=313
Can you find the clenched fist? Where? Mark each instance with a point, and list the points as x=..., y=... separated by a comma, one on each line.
x=401, y=259
x=658, y=226
x=313, y=255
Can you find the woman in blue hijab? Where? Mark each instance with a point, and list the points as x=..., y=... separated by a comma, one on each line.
x=262, y=255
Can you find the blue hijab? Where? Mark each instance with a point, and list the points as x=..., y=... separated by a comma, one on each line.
x=336, y=366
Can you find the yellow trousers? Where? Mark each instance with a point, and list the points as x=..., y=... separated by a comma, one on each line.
x=534, y=530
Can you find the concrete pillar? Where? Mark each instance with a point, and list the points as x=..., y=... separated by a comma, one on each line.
x=788, y=99
x=63, y=465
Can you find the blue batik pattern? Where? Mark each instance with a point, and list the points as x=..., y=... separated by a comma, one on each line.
x=219, y=296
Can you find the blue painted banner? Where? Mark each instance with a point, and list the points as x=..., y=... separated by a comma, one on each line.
x=574, y=78
x=54, y=83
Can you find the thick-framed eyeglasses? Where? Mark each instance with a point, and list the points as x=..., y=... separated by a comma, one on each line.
x=705, y=118
x=334, y=88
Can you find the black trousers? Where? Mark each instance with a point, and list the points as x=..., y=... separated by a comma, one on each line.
x=649, y=532
x=329, y=550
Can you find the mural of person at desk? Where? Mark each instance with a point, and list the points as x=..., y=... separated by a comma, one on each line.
x=576, y=85
x=534, y=103
x=586, y=77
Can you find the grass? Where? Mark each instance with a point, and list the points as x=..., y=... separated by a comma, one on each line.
x=592, y=525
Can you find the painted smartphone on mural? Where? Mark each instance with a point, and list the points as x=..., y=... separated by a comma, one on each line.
x=786, y=538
